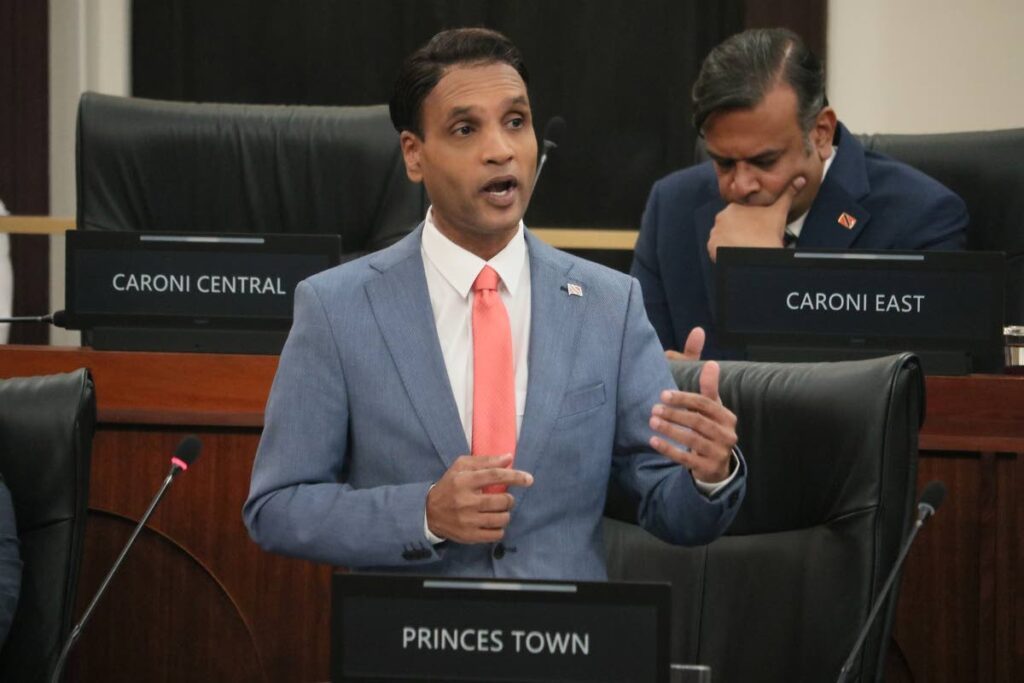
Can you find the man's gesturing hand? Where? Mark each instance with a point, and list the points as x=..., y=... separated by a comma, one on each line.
x=699, y=422
x=693, y=347
x=748, y=225
x=459, y=510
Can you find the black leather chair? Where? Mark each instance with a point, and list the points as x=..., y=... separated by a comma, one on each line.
x=984, y=168
x=46, y=429
x=176, y=166
x=832, y=456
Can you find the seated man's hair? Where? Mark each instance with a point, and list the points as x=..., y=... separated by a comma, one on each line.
x=739, y=72
x=422, y=70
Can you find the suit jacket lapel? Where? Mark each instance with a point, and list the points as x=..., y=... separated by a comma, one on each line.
x=828, y=223
x=401, y=306
x=555, y=319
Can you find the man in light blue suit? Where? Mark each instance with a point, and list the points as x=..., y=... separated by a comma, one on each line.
x=364, y=456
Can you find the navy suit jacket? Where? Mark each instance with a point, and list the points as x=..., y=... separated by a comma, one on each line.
x=896, y=207
x=361, y=421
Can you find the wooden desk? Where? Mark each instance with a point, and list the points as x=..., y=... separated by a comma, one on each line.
x=196, y=600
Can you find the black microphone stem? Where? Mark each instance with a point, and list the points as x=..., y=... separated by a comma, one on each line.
x=543, y=159
x=26, y=319
x=77, y=630
x=880, y=600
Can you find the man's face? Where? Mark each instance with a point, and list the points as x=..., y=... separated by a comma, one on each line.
x=758, y=152
x=477, y=156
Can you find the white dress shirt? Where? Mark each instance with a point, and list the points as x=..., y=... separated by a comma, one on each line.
x=450, y=271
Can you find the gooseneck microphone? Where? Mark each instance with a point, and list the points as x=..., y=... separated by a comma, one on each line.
x=184, y=455
x=57, y=319
x=932, y=497
x=552, y=134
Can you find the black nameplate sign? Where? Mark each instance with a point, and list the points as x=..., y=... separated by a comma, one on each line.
x=191, y=284
x=399, y=628
x=784, y=304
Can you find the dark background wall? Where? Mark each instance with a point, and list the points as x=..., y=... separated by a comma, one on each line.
x=618, y=71
x=25, y=152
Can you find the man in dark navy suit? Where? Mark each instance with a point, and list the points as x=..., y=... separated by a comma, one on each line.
x=783, y=172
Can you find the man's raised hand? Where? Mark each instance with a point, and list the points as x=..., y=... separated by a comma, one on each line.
x=700, y=423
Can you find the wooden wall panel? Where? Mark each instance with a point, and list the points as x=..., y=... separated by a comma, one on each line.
x=25, y=152
x=939, y=601
x=1008, y=640
x=196, y=600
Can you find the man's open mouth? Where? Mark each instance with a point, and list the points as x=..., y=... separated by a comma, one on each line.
x=499, y=187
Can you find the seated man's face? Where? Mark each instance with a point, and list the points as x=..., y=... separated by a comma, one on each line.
x=478, y=154
x=758, y=152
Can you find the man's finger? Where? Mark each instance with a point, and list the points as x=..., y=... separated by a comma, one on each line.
x=496, y=502
x=704, y=468
x=492, y=520
x=785, y=200
x=709, y=375
x=694, y=345
x=481, y=462
x=702, y=444
x=690, y=420
x=686, y=458
x=481, y=478
x=697, y=402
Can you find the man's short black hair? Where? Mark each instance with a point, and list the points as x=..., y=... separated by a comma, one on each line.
x=739, y=72
x=422, y=70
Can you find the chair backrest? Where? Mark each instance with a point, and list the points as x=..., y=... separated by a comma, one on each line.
x=46, y=429
x=832, y=455
x=984, y=168
x=200, y=167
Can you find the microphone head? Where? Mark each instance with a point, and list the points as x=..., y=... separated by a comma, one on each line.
x=187, y=451
x=934, y=494
x=553, y=130
x=59, y=319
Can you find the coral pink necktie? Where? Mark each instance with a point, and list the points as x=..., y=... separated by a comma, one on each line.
x=494, y=388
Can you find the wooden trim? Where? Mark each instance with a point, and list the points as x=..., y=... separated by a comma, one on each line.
x=37, y=225
x=587, y=238
x=562, y=238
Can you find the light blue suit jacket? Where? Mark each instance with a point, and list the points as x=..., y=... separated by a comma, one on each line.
x=361, y=421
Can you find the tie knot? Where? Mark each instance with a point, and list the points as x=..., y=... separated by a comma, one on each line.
x=487, y=279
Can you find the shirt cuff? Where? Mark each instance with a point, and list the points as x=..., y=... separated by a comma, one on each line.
x=433, y=538
x=704, y=487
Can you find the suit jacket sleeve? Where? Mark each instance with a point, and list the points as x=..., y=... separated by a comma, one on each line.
x=943, y=224
x=669, y=504
x=298, y=502
x=646, y=269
